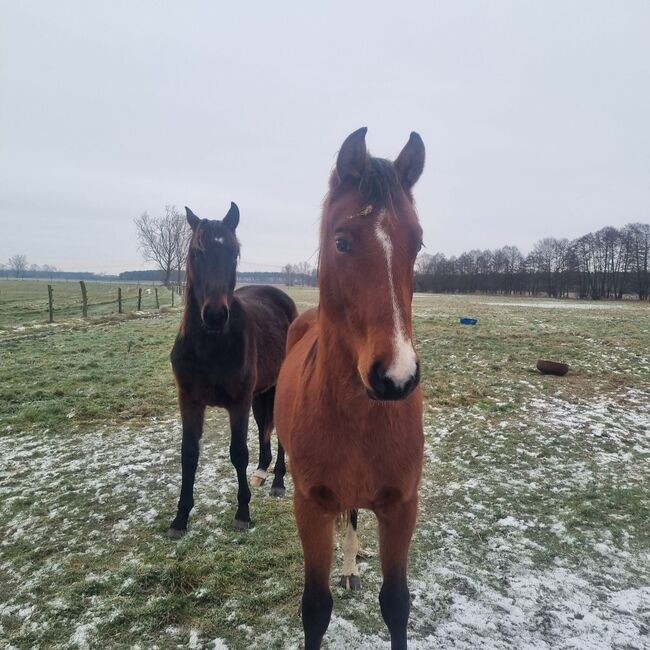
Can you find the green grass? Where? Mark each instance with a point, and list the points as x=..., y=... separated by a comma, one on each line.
x=533, y=525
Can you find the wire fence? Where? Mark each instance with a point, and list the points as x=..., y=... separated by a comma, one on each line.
x=25, y=302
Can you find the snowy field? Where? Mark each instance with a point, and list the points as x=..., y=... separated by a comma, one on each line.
x=534, y=527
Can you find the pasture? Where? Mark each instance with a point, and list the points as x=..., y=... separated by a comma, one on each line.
x=534, y=522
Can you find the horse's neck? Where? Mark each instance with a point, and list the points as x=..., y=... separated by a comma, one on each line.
x=335, y=357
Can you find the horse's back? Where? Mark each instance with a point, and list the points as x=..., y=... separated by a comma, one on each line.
x=269, y=313
x=270, y=297
x=296, y=372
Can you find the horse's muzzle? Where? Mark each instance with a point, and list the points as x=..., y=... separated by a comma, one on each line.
x=383, y=388
x=215, y=318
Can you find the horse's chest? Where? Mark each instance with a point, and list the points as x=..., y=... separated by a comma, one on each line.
x=357, y=466
x=212, y=384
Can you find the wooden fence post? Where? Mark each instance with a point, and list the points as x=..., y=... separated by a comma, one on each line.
x=172, y=296
x=50, y=302
x=84, y=299
x=119, y=300
x=140, y=299
x=157, y=301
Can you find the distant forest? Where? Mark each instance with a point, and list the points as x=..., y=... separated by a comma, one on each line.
x=150, y=276
x=611, y=263
x=256, y=277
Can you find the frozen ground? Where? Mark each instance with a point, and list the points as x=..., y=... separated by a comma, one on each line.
x=499, y=560
x=534, y=528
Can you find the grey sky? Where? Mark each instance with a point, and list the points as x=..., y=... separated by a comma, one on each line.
x=536, y=118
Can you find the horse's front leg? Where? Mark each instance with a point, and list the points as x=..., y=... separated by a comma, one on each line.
x=396, y=525
x=239, y=457
x=316, y=528
x=192, y=415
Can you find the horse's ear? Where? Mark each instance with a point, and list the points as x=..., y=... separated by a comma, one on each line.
x=192, y=219
x=410, y=162
x=353, y=156
x=232, y=218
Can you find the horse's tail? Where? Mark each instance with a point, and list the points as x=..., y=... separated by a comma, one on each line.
x=347, y=517
x=269, y=423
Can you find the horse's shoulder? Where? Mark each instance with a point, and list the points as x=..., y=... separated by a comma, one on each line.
x=300, y=326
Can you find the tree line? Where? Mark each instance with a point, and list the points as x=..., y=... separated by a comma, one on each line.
x=607, y=264
x=300, y=274
x=17, y=266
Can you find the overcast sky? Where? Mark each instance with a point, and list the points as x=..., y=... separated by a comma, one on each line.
x=535, y=115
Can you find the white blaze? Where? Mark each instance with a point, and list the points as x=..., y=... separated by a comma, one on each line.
x=404, y=360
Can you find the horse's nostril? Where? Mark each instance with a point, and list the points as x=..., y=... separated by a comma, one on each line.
x=377, y=378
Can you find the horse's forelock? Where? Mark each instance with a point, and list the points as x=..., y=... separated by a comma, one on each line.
x=208, y=229
x=379, y=184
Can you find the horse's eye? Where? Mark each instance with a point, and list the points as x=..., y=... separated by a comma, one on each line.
x=343, y=245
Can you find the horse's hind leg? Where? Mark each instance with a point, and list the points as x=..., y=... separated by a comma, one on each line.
x=396, y=525
x=350, y=576
x=316, y=527
x=263, y=412
x=192, y=414
x=239, y=457
x=277, y=488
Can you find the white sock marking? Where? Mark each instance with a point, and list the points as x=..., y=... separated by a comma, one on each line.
x=350, y=550
x=404, y=360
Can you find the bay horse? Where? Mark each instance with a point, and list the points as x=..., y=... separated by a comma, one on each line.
x=227, y=353
x=348, y=404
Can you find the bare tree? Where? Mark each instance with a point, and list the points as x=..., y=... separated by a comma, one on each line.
x=18, y=264
x=182, y=237
x=164, y=240
x=303, y=271
x=422, y=263
x=638, y=238
x=289, y=274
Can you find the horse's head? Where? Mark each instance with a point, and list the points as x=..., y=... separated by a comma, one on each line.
x=370, y=237
x=212, y=266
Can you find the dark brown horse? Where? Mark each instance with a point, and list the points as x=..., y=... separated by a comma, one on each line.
x=348, y=404
x=228, y=353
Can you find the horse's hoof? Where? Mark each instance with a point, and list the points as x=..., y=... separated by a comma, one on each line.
x=241, y=525
x=350, y=583
x=175, y=533
x=258, y=477
x=277, y=492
